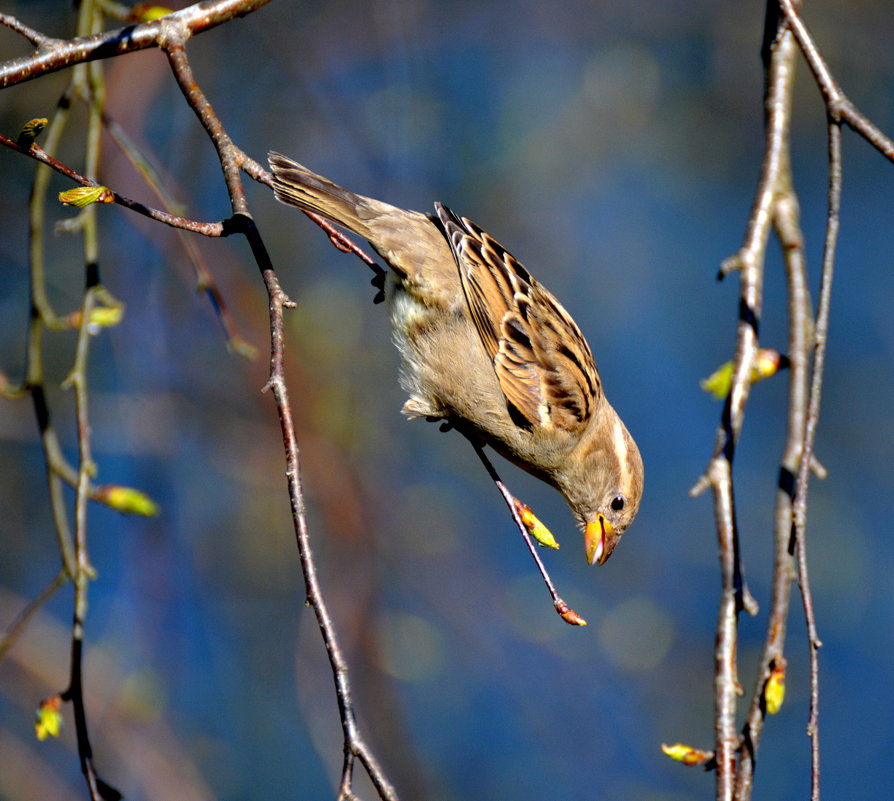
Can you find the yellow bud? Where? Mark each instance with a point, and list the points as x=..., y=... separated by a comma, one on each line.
x=82, y=196
x=100, y=317
x=774, y=689
x=567, y=614
x=30, y=130
x=106, y=316
x=48, y=718
x=686, y=754
x=127, y=500
x=767, y=363
x=535, y=528
x=146, y=12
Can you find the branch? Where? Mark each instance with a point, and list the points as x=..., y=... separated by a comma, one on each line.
x=54, y=55
x=36, y=38
x=800, y=502
x=354, y=744
x=749, y=262
x=233, y=160
x=565, y=612
x=780, y=66
x=37, y=153
x=28, y=611
x=838, y=106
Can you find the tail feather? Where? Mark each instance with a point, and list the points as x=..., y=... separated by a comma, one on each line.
x=295, y=185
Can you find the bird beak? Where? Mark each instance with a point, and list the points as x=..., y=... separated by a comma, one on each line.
x=599, y=540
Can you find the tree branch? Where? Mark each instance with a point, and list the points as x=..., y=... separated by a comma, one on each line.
x=838, y=106
x=54, y=55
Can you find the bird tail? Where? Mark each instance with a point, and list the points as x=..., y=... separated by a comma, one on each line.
x=295, y=185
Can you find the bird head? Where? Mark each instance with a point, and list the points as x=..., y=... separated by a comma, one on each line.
x=603, y=484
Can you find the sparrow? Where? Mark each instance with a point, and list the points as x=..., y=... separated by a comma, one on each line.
x=489, y=350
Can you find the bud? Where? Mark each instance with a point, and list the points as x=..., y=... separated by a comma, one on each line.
x=82, y=196
x=767, y=362
x=147, y=12
x=687, y=754
x=774, y=689
x=127, y=500
x=30, y=130
x=48, y=718
x=100, y=317
x=569, y=615
x=535, y=528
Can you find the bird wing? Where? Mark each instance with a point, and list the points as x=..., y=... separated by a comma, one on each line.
x=543, y=363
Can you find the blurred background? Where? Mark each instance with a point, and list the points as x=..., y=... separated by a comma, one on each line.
x=614, y=147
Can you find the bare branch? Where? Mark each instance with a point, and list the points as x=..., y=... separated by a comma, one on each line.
x=354, y=744
x=838, y=106
x=36, y=38
x=783, y=210
x=54, y=55
x=749, y=262
x=813, y=411
x=30, y=609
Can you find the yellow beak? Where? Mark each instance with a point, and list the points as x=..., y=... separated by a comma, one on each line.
x=598, y=540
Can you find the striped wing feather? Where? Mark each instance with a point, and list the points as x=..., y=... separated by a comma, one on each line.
x=543, y=363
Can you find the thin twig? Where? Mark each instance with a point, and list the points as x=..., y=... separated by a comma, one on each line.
x=233, y=160
x=77, y=380
x=36, y=152
x=565, y=612
x=749, y=262
x=204, y=278
x=88, y=80
x=43, y=317
x=779, y=49
x=813, y=411
x=354, y=744
x=197, y=18
x=838, y=106
x=36, y=38
x=21, y=620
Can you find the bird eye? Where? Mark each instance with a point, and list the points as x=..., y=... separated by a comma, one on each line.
x=618, y=503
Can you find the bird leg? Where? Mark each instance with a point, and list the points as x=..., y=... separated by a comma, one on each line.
x=526, y=522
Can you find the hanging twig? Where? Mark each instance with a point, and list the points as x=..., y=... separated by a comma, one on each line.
x=232, y=160
x=813, y=411
x=779, y=58
x=354, y=744
x=565, y=612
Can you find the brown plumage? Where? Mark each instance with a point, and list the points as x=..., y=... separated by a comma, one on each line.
x=490, y=350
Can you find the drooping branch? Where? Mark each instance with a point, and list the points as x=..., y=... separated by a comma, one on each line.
x=780, y=50
x=355, y=747
x=171, y=35
x=748, y=262
x=810, y=427
x=776, y=208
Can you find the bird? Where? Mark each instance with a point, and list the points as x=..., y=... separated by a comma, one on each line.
x=488, y=350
